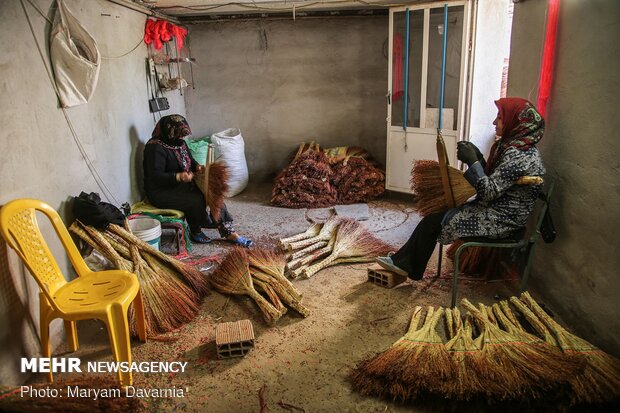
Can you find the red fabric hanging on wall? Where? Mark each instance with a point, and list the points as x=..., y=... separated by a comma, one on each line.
x=546, y=69
x=397, y=68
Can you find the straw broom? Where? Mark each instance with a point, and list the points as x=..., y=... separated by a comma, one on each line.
x=273, y=264
x=233, y=277
x=523, y=368
x=369, y=377
x=418, y=364
x=191, y=275
x=168, y=303
x=427, y=186
x=312, y=231
x=213, y=183
x=329, y=228
x=352, y=241
x=282, y=292
x=553, y=364
x=599, y=382
x=470, y=376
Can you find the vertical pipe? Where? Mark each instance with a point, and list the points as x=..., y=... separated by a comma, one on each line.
x=443, y=63
x=406, y=74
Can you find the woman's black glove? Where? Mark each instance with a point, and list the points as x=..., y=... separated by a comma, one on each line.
x=466, y=152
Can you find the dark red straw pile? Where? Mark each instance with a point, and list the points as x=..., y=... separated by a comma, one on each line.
x=314, y=179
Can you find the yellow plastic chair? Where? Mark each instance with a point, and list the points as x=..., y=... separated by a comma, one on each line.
x=105, y=295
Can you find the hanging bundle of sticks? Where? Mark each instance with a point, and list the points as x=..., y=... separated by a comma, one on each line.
x=259, y=274
x=338, y=240
x=492, y=355
x=317, y=177
x=171, y=290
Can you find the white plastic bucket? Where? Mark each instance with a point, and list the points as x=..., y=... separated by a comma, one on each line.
x=147, y=229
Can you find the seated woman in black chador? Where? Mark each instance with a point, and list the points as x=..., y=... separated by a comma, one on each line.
x=168, y=181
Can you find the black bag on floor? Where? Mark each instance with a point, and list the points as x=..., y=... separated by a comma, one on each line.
x=89, y=209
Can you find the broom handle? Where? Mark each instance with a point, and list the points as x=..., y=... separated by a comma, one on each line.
x=301, y=253
x=324, y=235
x=534, y=321
x=313, y=269
x=442, y=157
x=312, y=231
x=315, y=255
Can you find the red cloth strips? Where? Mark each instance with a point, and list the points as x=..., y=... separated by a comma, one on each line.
x=546, y=69
x=159, y=31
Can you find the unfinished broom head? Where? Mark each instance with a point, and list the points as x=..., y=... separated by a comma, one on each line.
x=313, y=230
x=428, y=190
x=233, y=277
x=216, y=187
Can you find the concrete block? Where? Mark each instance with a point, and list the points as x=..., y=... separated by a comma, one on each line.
x=380, y=276
x=234, y=339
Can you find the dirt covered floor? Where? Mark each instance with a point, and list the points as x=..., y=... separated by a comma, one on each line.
x=300, y=364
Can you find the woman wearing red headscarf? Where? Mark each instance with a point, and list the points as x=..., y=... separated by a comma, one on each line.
x=500, y=208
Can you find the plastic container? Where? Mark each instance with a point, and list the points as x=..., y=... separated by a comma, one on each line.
x=147, y=229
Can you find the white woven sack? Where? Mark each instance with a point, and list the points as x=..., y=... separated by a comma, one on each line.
x=75, y=58
x=229, y=148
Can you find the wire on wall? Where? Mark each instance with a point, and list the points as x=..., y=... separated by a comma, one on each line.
x=91, y=167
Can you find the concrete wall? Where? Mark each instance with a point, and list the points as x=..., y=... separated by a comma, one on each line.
x=283, y=82
x=578, y=273
x=492, y=45
x=39, y=157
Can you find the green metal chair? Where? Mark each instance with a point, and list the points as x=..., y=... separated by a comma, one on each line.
x=528, y=243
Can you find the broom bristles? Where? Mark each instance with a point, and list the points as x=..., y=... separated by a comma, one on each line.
x=599, y=382
x=233, y=277
x=519, y=359
x=427, y=186
x=352, y=240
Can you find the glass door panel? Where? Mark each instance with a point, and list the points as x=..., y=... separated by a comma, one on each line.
x=400, y=65
x=454, y=46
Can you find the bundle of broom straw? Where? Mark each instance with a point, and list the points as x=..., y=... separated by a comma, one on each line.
x=337, y=240
x=213, y=183
x=259, y=271
x=428, y=189
x=171, y=290
x=353, y=243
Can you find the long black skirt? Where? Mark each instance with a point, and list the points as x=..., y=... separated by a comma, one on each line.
x=187, y=198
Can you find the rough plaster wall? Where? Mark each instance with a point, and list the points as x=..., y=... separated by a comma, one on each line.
x=578, y=273
x=39, y=157
x=492, y=45
x=283, y=82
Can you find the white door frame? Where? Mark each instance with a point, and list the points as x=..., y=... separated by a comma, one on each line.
x=399, y=141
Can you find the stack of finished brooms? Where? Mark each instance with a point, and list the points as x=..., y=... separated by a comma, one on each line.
x=338, y=240
x=171, y=290
x=259, y=274
x=495, y=355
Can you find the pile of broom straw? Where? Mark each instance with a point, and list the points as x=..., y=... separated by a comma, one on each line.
x=498, y=353
x=317, y=178
x=259, y=274
x=171, y=290
x=338, y=240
